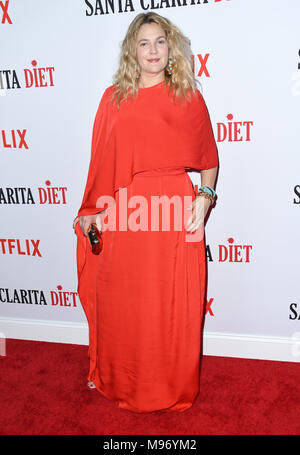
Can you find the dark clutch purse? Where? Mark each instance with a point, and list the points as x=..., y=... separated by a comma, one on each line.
x=95, y=238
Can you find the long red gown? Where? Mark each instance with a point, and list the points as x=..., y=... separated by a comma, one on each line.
x=144, y=294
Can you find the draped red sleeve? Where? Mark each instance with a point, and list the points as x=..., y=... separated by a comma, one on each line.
x=101, y=167
x=148, y=132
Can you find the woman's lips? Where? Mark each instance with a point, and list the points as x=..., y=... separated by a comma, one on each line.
x=153, y=60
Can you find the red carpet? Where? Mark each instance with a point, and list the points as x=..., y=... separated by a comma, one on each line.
x=43, y=391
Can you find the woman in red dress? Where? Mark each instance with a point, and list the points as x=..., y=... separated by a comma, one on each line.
x=144, y=294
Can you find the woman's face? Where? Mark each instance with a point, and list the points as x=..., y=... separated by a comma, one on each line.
x=152, y=49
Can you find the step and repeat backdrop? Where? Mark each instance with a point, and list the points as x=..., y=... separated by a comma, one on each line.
x=56, y=59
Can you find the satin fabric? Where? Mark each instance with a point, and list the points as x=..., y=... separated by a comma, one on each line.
x=151, y=131
x=144, y=294
x=144, y=300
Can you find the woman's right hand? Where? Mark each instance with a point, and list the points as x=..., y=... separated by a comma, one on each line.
x=85, y=221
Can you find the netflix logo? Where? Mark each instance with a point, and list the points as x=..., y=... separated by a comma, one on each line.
x=200, y=65
x=4, y=12
x=44, y=195
x=34, y=77
x=208, y=309
x=13, y=139
x=234, y=131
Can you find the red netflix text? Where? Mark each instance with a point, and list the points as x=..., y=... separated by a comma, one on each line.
x=63, y=298
x=208, y=307
x=13, y=139
x=202, y=61
x=27, y=247
x=52, y=194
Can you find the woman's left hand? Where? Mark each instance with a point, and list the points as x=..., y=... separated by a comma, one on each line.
x=199, y=207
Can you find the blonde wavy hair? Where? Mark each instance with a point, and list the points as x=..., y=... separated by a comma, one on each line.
x=182, y=80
